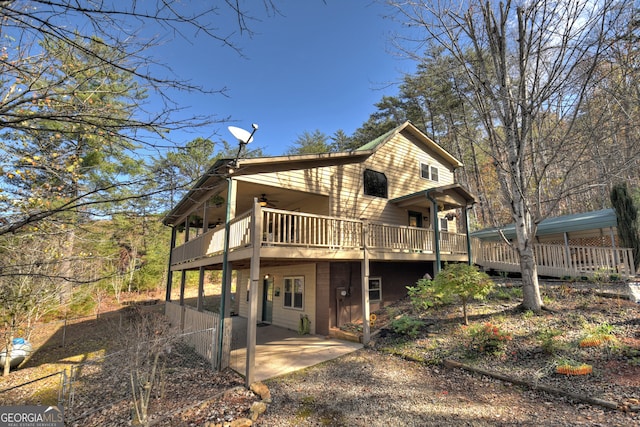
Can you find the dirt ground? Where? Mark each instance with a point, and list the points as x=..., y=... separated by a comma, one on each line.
x=404, y=381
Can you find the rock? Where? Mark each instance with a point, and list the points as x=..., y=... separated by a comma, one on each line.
x=261, y=390
x=256, y=409
x=241, y=422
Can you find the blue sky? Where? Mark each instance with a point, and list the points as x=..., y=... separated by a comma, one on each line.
x=321, y=65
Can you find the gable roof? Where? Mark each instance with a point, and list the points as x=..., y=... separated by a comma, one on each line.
x=409, y=127
x=593, y=220
x=218, y=173
x=451, y=196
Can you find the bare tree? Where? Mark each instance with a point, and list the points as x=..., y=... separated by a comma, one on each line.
x=28, y=289
x=57, y=63
x=146, y=343
x=531, y=66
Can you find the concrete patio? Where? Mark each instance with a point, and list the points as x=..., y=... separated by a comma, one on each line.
x=280, y=351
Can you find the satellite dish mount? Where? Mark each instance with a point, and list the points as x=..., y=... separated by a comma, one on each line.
x=244, y=137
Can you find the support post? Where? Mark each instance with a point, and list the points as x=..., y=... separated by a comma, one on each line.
x=468, y=233
x=567, y=251
x=436, y=232
x=200, y=302
x=183, y=281
x=167, y=296
x=252, y=318
x=366, y=329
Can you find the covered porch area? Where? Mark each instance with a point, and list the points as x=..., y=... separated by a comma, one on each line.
x=280, y=351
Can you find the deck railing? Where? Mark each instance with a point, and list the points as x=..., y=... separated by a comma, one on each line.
x=285, y=228
x=298, y=229
x=557, y=260
x=399, y=238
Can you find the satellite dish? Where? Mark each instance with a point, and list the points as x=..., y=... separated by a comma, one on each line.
x=241, y=135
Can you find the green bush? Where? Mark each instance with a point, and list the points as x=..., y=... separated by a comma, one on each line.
x=548, y=341
x=423, y=295
x=407, y=325
x=464, y=282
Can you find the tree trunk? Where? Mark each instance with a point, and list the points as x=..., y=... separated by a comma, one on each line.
x=7, y=357
x=531, y=299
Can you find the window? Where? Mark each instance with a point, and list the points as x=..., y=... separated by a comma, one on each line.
x=294, y=292
x=444, y=224
x=375, y=184
x=375, y=289
x=428, y=172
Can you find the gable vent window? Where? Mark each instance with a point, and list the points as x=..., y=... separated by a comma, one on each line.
x=428, y=172
x=375, y=184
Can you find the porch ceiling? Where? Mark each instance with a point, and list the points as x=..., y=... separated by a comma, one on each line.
x=276, y=197
x=450, y=196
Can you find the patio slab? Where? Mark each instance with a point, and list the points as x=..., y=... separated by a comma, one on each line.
x=280, y=351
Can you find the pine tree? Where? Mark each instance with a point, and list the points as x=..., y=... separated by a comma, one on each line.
x=627, y=215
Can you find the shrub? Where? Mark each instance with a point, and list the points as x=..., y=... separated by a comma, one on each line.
x=463, y=281
x=423, y=295
x=487, y=338
x=548, y=341
x=407, y=325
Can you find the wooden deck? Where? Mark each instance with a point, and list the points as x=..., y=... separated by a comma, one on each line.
x=298, y=235
x=557, y=260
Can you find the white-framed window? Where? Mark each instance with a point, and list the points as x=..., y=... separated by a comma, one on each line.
x=429, y=172
x=294, y=292
x=444, y=224
x=375, y=289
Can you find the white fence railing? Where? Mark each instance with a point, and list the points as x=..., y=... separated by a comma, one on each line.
x=557, y=260
x=299, y=229
x=201, y=330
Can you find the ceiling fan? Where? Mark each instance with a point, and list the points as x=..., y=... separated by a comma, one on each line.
x=266, y=203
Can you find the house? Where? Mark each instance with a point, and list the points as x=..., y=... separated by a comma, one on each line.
x=326, y=237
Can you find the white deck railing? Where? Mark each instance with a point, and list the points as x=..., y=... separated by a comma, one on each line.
x=557, y=260
x=298, y=229
x=285, y=228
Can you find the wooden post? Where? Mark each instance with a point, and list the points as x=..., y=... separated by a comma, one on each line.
x=183, y=281
x=200, y=303
x=366, y=330
x=167, y=296
x=252, y=318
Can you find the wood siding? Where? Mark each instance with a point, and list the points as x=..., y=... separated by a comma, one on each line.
x=399, y=159
x=285, y=317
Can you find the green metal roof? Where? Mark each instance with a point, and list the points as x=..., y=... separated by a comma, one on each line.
x=373, y=144
x=594, y=220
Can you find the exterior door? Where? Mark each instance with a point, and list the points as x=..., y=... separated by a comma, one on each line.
x=267, y=300
x=415, y=219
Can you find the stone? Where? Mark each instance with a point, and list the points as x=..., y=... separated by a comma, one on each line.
x=261, y=390
x=241, y=422
x=256, y=409
x=634, y=291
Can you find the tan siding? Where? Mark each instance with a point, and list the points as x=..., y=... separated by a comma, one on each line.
x=311, y=180
x=284, y=317
x=399, y=159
